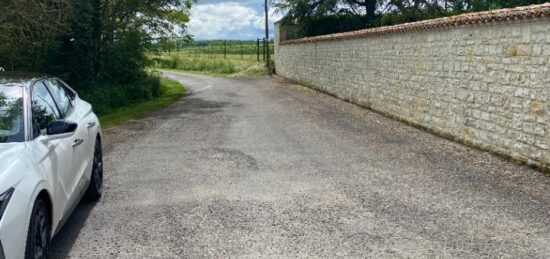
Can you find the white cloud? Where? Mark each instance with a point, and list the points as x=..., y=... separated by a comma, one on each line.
x=229, y=20
x=224, y=21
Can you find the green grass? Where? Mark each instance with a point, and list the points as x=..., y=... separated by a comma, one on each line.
x=170, y=91
x=214, y=64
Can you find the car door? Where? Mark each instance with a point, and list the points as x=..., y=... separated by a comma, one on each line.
x=58, y=150
x=81, y=145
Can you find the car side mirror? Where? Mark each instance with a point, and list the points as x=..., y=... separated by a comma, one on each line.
x=58, y=127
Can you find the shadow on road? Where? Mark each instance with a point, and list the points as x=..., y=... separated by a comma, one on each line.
x=65, y=239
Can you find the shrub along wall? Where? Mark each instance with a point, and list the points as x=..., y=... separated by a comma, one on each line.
x=481, y=79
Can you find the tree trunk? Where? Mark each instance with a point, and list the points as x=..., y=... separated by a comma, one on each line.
x=96, y=32
x=370, y=5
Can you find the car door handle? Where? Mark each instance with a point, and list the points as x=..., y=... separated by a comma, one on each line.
x=77, y=142
x=90, y=124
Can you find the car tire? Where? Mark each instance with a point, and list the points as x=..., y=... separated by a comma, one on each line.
x=95, y=188
x=39, y=233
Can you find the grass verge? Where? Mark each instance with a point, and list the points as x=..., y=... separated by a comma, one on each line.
x=170, y=91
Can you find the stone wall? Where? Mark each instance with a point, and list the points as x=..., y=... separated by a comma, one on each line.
x=485, y=83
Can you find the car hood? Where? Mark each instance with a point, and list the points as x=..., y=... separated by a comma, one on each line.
x=9, y=154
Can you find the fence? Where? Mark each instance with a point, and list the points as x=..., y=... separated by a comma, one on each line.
x=226, y=49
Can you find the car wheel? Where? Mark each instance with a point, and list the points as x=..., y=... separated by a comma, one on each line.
x=38, y=235
x=96, y=182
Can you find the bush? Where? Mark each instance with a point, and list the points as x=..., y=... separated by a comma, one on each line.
x=105, y=96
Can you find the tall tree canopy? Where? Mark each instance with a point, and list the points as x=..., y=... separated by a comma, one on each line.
x=316, y=17
x=99, y=46
x=84, y=39
x=301, y=9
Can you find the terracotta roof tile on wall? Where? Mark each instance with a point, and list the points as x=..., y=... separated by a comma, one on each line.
x=501, y=15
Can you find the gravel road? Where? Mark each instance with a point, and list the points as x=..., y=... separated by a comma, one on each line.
x=261, y=168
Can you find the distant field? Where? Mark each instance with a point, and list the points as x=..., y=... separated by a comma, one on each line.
x=248, y=52
x=215, y=57
x=227, y=49
x=214, y=63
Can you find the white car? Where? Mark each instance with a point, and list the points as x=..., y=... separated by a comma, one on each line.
x=50, y=157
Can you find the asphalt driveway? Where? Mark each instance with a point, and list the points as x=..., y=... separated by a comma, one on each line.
x=262, y=168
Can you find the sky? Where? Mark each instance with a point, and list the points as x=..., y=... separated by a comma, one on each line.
x=229, y=19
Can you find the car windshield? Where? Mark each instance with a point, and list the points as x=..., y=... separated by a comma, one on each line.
x=11, y=114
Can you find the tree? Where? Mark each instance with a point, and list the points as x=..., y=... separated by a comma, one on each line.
x=128, y=27
x=345, y=15
x=74, y=38
x=30, y=32
x=98, y=46
x=369, y=6
x=316, y=17
x=299, y=10
x=79, y=43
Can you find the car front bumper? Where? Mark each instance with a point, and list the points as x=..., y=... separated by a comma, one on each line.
x=14, y=226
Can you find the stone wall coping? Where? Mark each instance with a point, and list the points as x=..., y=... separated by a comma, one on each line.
x=487, y=17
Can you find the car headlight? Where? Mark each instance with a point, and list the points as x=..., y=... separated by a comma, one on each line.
x=4, y=199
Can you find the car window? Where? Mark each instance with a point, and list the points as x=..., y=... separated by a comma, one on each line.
x=60, y=96
x=70, y=92
x=11, y=114
x=44, y=109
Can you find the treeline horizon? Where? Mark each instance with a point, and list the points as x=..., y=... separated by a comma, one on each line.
x=165, y=44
